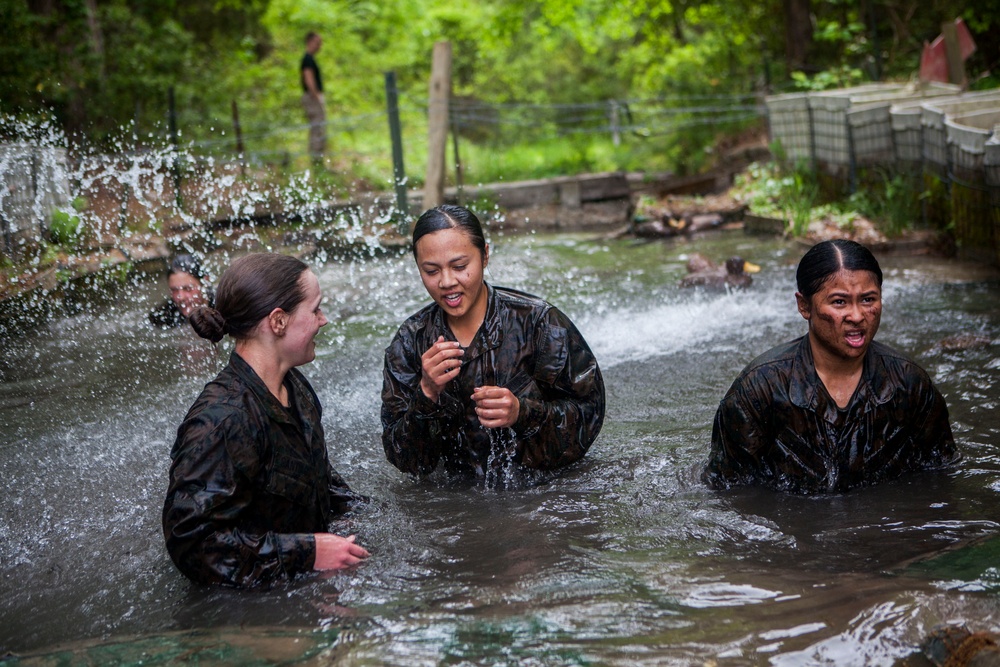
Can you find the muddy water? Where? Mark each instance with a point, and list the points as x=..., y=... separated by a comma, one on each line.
x=624, y=558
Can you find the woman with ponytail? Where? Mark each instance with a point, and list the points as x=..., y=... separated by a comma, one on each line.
x=252, y=492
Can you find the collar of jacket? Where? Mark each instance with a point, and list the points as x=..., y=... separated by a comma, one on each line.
x=804, y=382
x=490, y=334
x=272, y=406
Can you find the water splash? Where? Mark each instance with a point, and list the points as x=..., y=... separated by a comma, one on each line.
x=700, y=322
x=79, y=219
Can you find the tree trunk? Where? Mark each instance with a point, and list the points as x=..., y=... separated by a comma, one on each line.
x=96, y=37
x=798, y=33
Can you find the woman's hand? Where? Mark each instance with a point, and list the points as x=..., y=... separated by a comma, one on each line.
x=334, y=552
x=440, y=365
x=497, y=407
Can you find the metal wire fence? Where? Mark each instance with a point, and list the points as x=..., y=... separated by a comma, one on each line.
x=946, y=137
x=146, y=177
x=495, y=124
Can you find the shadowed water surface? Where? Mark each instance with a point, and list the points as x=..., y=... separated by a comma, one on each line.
x=624, y=558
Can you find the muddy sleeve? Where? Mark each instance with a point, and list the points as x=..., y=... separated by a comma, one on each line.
x=562, y=406
x=209, y=491
x=935, y=441
x=165, y=315
x=411, y=423
x=342, y=497
x=738, y=437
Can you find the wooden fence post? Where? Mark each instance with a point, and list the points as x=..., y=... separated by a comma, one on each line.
x=239, y=139
x=614, y=119
x=437, y=125
x=956, y=68
x=174, y=167
x=459, y=179
x=396, y=135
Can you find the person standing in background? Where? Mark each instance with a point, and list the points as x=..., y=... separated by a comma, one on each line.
x=312, y=98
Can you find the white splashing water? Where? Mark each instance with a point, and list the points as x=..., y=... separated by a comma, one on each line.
x=693, y=321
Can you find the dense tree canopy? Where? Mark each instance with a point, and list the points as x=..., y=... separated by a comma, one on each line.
x=99, y=65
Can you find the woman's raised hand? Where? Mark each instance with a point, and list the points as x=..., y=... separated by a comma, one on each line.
x=440, y=365
x=334, y=552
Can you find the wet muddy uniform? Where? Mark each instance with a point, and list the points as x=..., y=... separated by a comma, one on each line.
x=250, y=482
x=168, y=315
x=525, y=345
x=778, y=427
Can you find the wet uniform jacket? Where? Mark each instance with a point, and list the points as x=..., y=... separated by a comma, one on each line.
x=168, y=315
x=778, y=426
x=250, y=482
x=525, y=345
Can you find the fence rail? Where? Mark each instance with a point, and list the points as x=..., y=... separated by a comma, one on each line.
x=172, y=184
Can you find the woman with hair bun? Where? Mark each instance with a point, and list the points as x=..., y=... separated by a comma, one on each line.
x=832, y=410
x=251, y=491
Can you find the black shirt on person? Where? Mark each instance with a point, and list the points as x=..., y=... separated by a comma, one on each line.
x=308, y=62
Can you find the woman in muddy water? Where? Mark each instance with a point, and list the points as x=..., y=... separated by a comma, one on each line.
x=252, y=492
x=486, y=381
x=186, y=281
x=832, y=410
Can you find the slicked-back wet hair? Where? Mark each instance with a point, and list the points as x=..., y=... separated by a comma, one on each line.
x=248, y=291
x=188, y=264
x=449, y=216
x=827, y=258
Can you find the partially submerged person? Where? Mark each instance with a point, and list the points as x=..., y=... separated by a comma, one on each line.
x=252, y=492
x=703, y=272
x=833, y=410
x=186, y=281
x=485, y=379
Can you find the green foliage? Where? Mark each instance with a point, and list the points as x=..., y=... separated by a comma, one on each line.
x=799, y=194
x=891, y=200
x=113, y=273
x=64, y=228
x=106, y=74
x=791, y=195
x=48, y=254
x=837, y=77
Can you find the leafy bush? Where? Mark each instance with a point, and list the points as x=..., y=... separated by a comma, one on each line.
x=893, y=201
x=64, y=228
x=768, y=190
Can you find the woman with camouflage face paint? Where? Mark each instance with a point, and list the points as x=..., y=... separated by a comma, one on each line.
x=833, y=410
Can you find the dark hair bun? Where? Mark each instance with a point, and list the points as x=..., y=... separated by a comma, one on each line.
x=208, y=323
